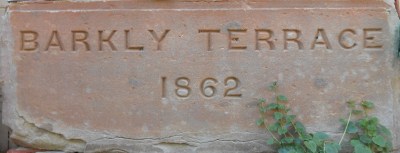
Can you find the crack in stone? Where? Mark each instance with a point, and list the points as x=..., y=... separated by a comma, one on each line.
x=170, y=146
x=165, y=140
x=30, y=135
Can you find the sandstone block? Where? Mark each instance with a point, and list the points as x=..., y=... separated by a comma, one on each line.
x=184, y=76
x=22, y=151
x=3, y=4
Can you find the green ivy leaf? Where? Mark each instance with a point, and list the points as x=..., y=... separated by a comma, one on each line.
x=287, y=140
x=384, y=130
x=280, y=107
x=290, y=118
x=357, y=112
x=332, y=148
x=281, y=98
x=321, y=135
x=260, y=121
x=379, y=140
x=356, y=142
x=283, y=150
x=307, y=137
x=287, y=149
x=311, y=145
x=293, y=151
x=262, y=100
x=282, y=131
x=278, y=115
x=371, y=133
x=367, y=104
x=374, y=121
x=363, y=122
x=271, y=141
x=372, y=127
x=365, y=139
x=262, y=109
x=297, y=141
x=352, y=128
x=272, y=106
x=360, y=147
x=299, y=127
x=273, y=127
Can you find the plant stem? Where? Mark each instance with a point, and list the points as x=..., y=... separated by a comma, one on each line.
x=265, y=124
x=294, y=126
x=345, y=130
x=298, y=134
x=273, y=136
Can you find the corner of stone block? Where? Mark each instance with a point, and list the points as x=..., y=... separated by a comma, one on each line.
x=27, y=134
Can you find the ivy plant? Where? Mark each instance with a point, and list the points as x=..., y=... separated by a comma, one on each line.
x=367, y=135
x=288, y=134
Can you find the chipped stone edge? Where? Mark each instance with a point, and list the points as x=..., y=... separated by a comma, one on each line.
x=23, y=129
x=29, y=134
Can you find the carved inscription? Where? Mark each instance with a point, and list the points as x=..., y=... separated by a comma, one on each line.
x=32, y=41
x=237, y=39
x=346, y=39
x=369, y=38
x=209, y=38
x=80, y=37
x=233, y=36
x=292, y=36
x=209, y=87
x=28, y=40
x=169, y=71
x=264, y=35
x=321, y=39
x=54, y=41
x=127, y=42
x=107, y=39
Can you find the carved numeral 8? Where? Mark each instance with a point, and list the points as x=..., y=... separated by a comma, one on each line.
x=183, y=89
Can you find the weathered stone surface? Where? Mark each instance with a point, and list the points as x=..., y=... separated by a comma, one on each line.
x=3, y=4
x=5, y=144
x=180, y=76
x=21, y=151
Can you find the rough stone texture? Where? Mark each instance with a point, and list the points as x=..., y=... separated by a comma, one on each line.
x=4, y=130
x=21, y=151
x=3, y=4
x=114, y=96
